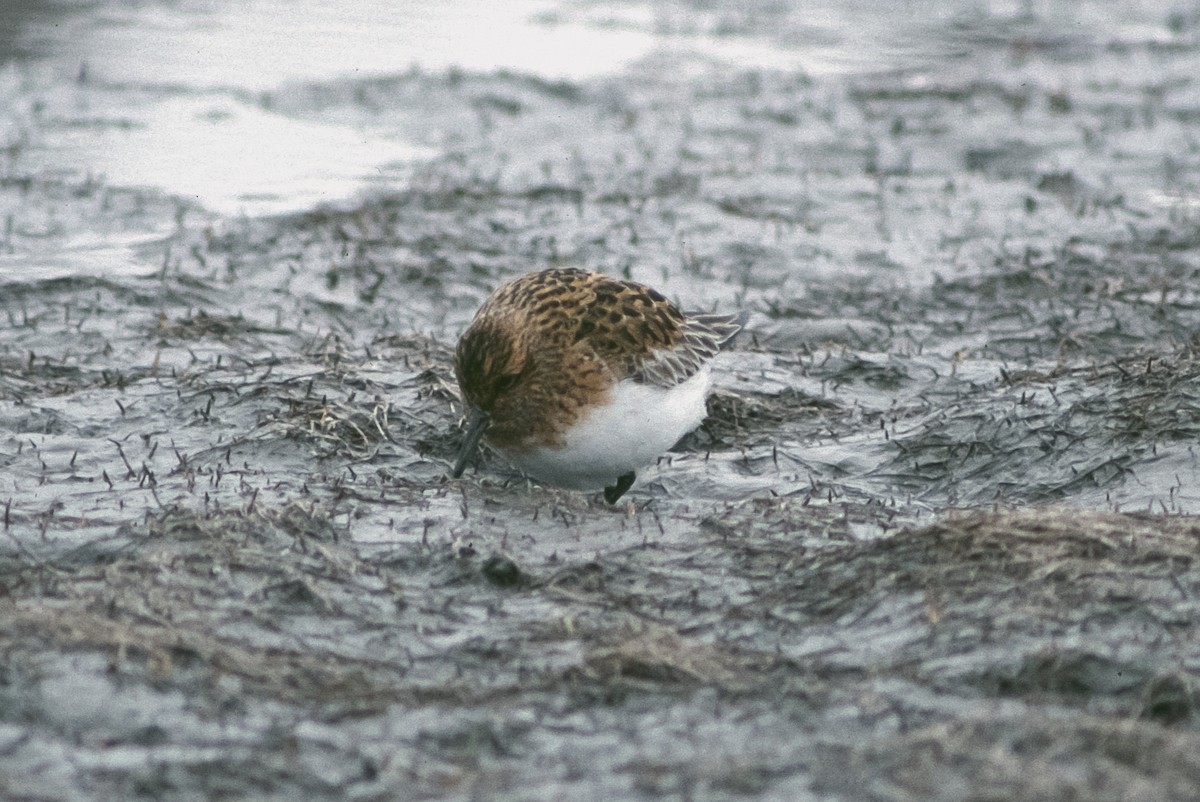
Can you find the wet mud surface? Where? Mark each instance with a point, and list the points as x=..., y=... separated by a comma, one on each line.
x=934, y=542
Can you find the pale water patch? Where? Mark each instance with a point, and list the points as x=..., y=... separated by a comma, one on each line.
x=842, y=37
x=111, y=256
x=233, y=158
x=262, y=44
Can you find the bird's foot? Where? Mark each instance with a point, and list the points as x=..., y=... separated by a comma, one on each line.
x=614, y=492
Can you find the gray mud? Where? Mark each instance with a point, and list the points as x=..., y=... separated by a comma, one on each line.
x=935, y=541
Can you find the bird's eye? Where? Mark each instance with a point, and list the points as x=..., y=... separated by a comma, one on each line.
x=506, y=382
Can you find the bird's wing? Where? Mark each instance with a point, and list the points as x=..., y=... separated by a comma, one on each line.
x=700, y=338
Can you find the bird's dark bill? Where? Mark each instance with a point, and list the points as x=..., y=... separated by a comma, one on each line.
x=477, y=424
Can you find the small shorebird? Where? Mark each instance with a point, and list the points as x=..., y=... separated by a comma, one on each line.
x=579, y=379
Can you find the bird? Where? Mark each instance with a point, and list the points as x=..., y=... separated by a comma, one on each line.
x=579, y=379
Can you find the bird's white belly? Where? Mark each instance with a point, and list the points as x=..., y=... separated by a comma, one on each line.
x=639, y=423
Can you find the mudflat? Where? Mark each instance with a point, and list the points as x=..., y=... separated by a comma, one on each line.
x=935, y=541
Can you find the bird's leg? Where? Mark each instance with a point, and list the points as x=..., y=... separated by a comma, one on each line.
x=614, y=492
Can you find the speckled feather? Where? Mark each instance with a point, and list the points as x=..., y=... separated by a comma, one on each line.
x=548, y=347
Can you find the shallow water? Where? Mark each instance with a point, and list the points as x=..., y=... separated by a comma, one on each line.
x=934, y=537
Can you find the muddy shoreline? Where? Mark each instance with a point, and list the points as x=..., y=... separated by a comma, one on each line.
x=936, y=540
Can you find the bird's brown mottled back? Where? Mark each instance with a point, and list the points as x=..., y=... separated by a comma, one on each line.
x=620, y=319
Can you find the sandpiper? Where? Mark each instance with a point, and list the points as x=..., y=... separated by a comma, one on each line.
x=579, y=379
